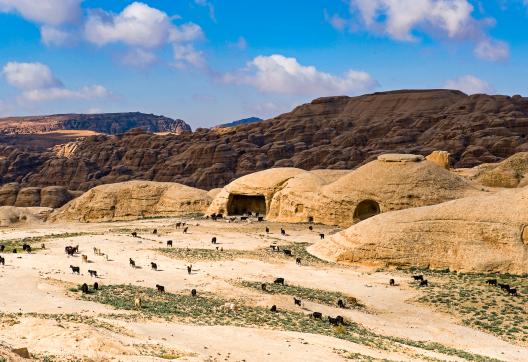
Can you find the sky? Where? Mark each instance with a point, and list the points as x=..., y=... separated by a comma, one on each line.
x=214, y=61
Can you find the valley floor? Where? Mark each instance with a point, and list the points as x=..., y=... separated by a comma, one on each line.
x=42, y=309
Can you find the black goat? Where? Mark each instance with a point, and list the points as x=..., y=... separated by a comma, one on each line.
x=131, y=262
x=297, y=301
x=189, y=269
x=169, y=243
x=283, y=232
x=418, y=277
x=340, y=303
x=75, y=269
x=317, y=315
x=321, y=236
x=491, y=282
x=193, y=292
x=160, y=288
x=287, y=252
x=424, y=283
x=2, y=248
x=154, y=266
x=96, y=286
x=310, y=228
x=392, y=282
x=512, y=291
x=298, y=261
x=14, y=251
x=273, y=308
x=260, y=218
x=134, y=234
x=84, y=288
x=93, y=273
x=279, y=281
x=213, y=240
x=2, y=260
x=263, y=287
x=185, y=230
x=155, y=231
x=267, y=230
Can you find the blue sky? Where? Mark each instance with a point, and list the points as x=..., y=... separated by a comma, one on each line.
x=213, y=61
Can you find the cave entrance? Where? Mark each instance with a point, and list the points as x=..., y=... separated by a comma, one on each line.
x=366, y=209
x=243, y=204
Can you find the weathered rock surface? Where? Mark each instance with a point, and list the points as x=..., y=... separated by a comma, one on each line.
x=109, y=123
x=509, y=173
x=12, y=194
x=476, y=234
x=133, y=200
x=328, y=133
x=11, y=215
x=342, y=198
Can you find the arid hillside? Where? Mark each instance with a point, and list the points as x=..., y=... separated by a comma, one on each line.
x=333, y=133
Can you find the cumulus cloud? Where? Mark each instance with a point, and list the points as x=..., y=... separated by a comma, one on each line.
x=139, y=25
x=469, y=84
x=279, y=74
x=55, y=36
x=37, y=82
x=185, y=55
x=493, y=50
x=50, y=12
x=138, y=58
x=404, y=20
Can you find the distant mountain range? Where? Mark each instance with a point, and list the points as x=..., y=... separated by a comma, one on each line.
x=108, y=123
x=239, y=122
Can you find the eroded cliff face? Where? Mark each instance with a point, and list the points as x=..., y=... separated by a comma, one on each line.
x=330, y=133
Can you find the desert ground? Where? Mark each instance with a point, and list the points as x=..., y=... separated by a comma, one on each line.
x=455, y=318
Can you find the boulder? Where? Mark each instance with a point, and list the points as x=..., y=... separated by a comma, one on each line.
x=9, y=193
x=28, y=197
x=441, y=158
x=54, y=196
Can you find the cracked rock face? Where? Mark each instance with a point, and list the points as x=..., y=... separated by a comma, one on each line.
x=328, y=133
x=474, y=234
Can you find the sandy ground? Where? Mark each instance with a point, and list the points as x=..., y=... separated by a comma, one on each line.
x=35, y=286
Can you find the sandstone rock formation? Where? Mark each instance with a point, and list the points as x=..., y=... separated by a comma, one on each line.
x=392, y=182
x=328, y=133
x=509, y=173
x=133, y=200
x=485, y=233
x=441, y=158
x=10, y=215
x=12, y=194
x=109, y=123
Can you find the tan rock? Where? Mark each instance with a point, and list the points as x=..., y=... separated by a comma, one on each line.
x=11, y=215
x=342, y=198
x=28, y=197
x=133, y=200
x=8, y=194
x=400, y=157
x=475, y=234
x=441, y=158
x=54, y=196
x=512, y=172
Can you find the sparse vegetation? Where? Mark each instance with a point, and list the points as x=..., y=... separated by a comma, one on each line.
x=478, y=304
x=209, y=310
x=311, y=294
x=35, y=241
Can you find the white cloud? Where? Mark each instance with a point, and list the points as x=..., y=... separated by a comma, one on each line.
x=493, y=50
x=54, y=36
x=51, y=12
x=209, y=6
x=27, y=76
x=185, y=55
x=139, y=25
x=138, y=58
x=37, y=83
x=469, y=84
x=279, y=74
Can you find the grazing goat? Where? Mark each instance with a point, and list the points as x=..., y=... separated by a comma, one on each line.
x=185, y=230
x=69, y=250
x=2, y=260
x=84, y=258
x=178, y=225
x=243, y=218
x=340, y=320
x=310, y=228
x=96, y=286
x=28, y=248
x=491, y=282
x=279, y=281
x=392, y=282
x=512, y=291
x=424, y=283
x=317, y=315
x=160, y=288
x=321, y=236
x=2, y=248
x=213, y=240
x=263, y=287
x=333, y=321
x=132, y=262
x=169, y=243
x=297, y=301
x=298, y=261
x=267, y=230
x=418, y=277
x=341, y=303
x=93, y=273
x=14, y=251
x=137, y=302
x=193, y=292
x=283, y=232
x=273, y=308
x=84, y=288
x=25, y=247
x=273, y=247
x=189, y=269
x=504, y=286
x=43, y=246
x=287, y=252
x=155, y=231
x=75, y=269
x=134, y=234
x=154, y=266
x=260, y=218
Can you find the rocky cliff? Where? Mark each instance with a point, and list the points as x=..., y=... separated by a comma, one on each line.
x=333, y=132
x=109, y=123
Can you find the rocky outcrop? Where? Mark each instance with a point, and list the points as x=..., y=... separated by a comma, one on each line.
x=133, y=200
x=441, y=158
x=476, y=234
x=10, y=215
x=328, y=133
x=109, y=123
x=50, y=197
x=393, y=182
x=512, y=172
